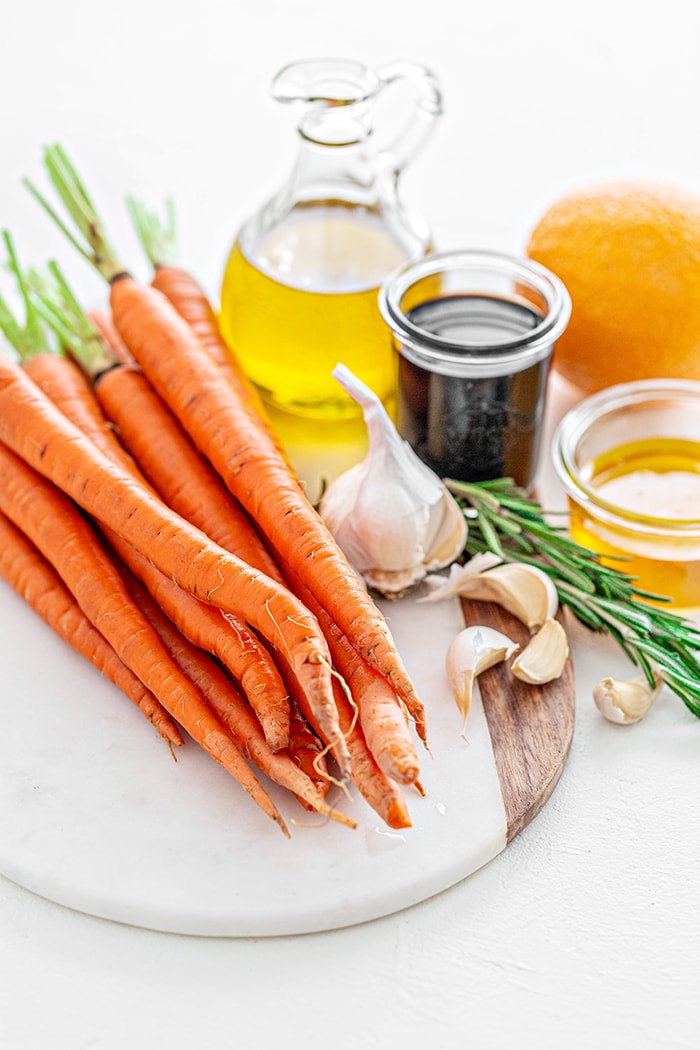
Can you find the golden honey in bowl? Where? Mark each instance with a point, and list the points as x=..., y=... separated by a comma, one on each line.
x=629, y=459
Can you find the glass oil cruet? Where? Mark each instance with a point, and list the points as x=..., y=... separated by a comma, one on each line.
x=300, y=289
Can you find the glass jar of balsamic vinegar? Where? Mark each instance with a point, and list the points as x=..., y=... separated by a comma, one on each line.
x=475, y=332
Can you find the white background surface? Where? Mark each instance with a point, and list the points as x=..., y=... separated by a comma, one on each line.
x=586, y=929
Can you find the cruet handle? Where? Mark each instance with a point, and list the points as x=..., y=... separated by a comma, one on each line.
x=428, y=106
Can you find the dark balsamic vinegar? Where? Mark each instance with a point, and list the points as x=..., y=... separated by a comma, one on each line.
x=468, y=425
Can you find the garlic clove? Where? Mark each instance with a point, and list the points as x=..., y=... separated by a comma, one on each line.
x=448, y=543
x=472, y=651
x=543, y=659
x=391, y=515
x=525, y=591
x=626, y=702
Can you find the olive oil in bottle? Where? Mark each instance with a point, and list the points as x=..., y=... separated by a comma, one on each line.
x=300, y=289
x=292, y=315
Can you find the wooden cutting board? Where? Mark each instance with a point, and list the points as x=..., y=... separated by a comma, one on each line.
x=531, y=727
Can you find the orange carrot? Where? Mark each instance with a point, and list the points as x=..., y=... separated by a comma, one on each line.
x=184, y=480
x=244, y=455
x=232, y=709
x=69, y=390
x=176, y=470
x=38, y=583
x=254, y=472
x=306, y=750
x=168, y=457
x=103, y=323
x=227, y=638
x=45, y=439
x=191, y=302
x=66, y=540
x=379, y=791
x=381, y=713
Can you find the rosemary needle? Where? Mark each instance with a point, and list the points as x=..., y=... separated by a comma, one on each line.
x=504, y=520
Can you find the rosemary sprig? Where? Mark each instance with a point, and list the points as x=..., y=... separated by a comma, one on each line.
x=505, y=521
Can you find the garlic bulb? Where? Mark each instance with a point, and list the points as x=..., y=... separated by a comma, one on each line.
x=543, y=659
x=523, y=590
x=391, y=515
x=626, y=702
x=472, y=651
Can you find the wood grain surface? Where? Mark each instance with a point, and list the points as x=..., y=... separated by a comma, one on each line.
x=531, y=726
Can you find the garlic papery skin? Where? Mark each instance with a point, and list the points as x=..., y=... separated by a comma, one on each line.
x=544, y=657
x=472, y=651
x=625, y=703
x=523, y=590
x=449, y=586
x=391, y=515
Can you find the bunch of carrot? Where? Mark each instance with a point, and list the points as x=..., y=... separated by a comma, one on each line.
x=149, y=515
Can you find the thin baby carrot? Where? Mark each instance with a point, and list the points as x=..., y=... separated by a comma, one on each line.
x=145, y=426
x=176, y=470
x=102, y=321
x=70, y=391
x=253, y=471
x=382, y=716
x=232, y=710
x=381, y=792
x=41, y=435
x=170, y=452
x=306, y=750
x=66, y=540
x=221, y=427
x=227, y=638
x=40, y=586
x=174, y=463
x=190, y=300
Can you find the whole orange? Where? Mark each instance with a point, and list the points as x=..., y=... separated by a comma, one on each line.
x=629, y=255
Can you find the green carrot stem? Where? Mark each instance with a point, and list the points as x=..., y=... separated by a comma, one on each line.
x=158, y=239
x=92, y=241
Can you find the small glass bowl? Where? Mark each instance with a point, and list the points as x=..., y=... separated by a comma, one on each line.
x=629, y=461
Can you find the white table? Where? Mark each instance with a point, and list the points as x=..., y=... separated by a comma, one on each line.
x=586, y=930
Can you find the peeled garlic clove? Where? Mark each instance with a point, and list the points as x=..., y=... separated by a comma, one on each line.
x=626, y=702
x=543, y=659
x=391, y=515
x=472, y=651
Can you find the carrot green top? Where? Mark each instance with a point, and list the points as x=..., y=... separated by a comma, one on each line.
x=54, y=319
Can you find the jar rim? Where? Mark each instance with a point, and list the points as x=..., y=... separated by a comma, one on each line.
x=451, y=356
x=576, y=424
